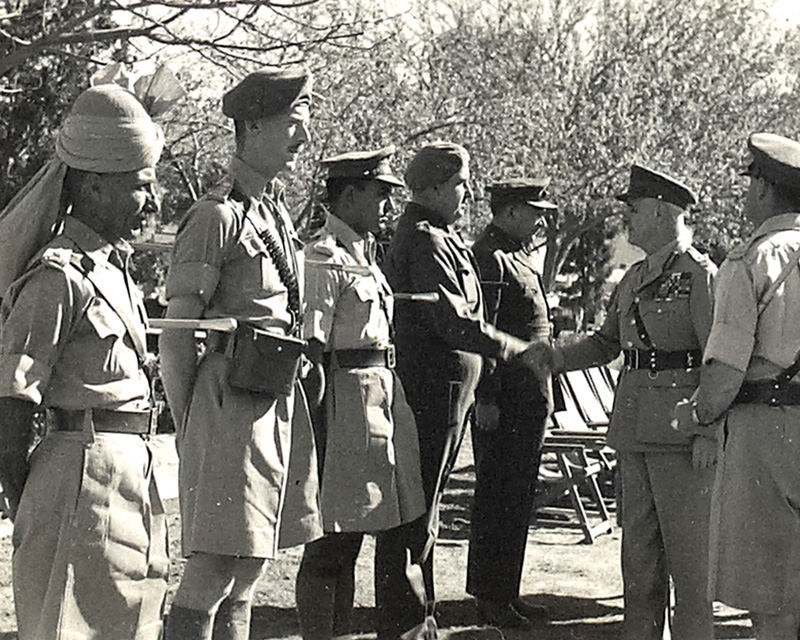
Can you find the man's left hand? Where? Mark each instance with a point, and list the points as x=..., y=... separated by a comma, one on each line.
x=682, y=418
x=704, y=452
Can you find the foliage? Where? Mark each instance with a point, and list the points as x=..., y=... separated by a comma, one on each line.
x=575, y=89
x=578, y=90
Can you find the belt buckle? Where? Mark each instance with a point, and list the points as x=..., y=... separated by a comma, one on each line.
x=391, y=358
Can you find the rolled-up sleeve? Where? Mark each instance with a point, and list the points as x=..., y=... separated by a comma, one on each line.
x=37, y=316
x=733, y=332
x=199, y=250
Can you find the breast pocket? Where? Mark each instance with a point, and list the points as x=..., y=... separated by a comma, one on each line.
x=104, y=320
x=256, y=269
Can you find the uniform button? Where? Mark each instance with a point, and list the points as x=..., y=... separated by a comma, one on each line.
x=629, y=343
x=637, y=300
x=633, y=323
x=659, y=311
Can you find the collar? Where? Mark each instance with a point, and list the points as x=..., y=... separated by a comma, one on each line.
x=782, y=222
x=363, y=249
x=250, y=181
x=419, y=213
x=656, y=261
x=93, y=244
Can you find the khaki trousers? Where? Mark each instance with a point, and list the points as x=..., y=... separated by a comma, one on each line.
x=665, y=524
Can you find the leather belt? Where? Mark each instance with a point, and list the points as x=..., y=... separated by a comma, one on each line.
x=768, y=392
x=655, y=360
x=104, y=421
x=355, y=358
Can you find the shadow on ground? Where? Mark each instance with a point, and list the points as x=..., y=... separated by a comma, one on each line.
x=572, y=618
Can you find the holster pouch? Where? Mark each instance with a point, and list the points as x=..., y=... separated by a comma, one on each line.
x=264, y=362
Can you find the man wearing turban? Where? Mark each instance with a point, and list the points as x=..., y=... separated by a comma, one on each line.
x=248, y=477
x=90, y=541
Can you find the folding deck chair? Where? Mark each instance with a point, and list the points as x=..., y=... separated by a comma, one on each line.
x=578, y=446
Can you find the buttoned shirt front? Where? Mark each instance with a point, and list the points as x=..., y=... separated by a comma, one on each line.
x=72, y=328
x=349, y=303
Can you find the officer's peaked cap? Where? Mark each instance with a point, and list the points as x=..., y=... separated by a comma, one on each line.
x=530, y=191
x=268, y=92
x=363, y=165
x=646, y=183
x=775, y=158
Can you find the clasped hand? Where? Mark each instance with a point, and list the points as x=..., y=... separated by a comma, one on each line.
x=539, y=357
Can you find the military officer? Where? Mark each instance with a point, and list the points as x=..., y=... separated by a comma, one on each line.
x=512, y=404
x=90, y=537
x=749, y=380
x=366, y=435
x=659, y=316
x=439, y=345
x=235, y=256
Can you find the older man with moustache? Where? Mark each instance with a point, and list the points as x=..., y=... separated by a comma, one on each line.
x=90, y=548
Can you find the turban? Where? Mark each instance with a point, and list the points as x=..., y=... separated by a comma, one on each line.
x=107, y=131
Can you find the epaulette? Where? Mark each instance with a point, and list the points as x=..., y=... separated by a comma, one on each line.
x=58, y=257
x=740, y=251
x=426, y=227
x=324, y=245
x=222, y=190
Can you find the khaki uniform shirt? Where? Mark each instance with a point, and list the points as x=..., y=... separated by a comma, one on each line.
x=220, y=257
x=761, y=345
x=71, y=340
x=248, y=480
x=371, y=476
x=673, y=291
x=73, y=337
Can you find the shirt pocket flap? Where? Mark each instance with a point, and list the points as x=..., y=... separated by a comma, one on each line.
x=104, y=319
x=253, y=245
x=365, y=289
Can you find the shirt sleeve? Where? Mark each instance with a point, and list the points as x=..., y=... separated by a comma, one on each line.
x=36, y=320
x=732, y=334
x=199, y=250
x=322, y=289
x=599, y=348
x=451, y=318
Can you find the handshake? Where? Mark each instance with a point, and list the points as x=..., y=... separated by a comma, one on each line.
x=542, y=359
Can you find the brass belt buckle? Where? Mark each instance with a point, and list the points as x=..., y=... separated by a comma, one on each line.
x=391, y=359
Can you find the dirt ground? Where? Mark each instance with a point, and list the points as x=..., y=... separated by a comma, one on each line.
x=579, y=582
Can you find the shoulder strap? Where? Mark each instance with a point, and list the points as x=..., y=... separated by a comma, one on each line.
x=770, y=293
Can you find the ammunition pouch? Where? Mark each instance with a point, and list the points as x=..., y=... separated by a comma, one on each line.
x=264, y=362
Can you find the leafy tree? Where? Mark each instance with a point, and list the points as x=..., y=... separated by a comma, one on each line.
x=578, y=90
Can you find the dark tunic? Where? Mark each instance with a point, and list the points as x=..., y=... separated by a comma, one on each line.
x=440, y=347
x=507, y=458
